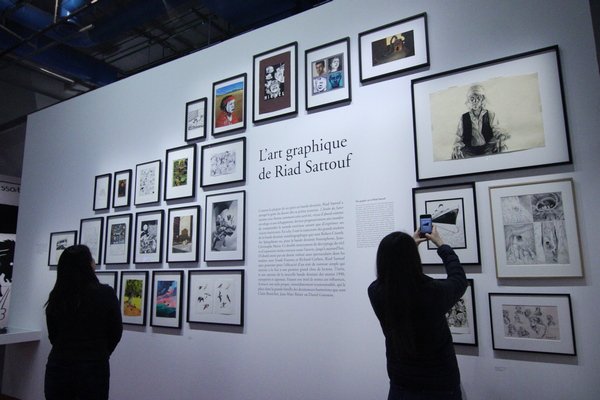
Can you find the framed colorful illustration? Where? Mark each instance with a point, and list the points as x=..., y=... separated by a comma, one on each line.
x=102, y=192
x=394, y=48
x=328, y=74
x=229, y=105
x=118, y=239
x=183, y=234
x=499, y=115
x=133, y=294
x=59, y=241
x=180, y=172
x=539, y=323
x=535, y=230
x=195, y=119
x=147, y=182
x=122, y=189
x=91, y=232
x=275, y=83
x=223, y=162
x=108, y=278
x=462, y=318
x=167, y=287
x=216, y=297
x=453, y=210
x=225, y=220
x=148, y=237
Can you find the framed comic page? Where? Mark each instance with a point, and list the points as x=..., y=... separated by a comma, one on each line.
x=223, y=162
x=229, y=105
x=91, y=232
x=118, y=239
x=122, y=189
x=216, y=297
x=224, y=224
x=462, y=318
x=183, y=234
x=59, y=241
x=148, y=237
x=195, y=119
x=102, y=192
x=167, y=289
x=147, y=182
x=180, y=172
x=133, y=297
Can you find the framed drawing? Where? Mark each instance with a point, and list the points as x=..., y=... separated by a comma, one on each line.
x=91, y=232
x=453, y=210
x=122, y=189
x=59, y=241
x=118, y=238
x=180, y=171
x=462, y=318
x=147, y=182
x=390, y=49
x=224, y=222
x=535, y=230
x=498, y=115
x=275, y=83
x=327, y=74
x=195, y=119
x=540, y=323
x=229, y=105
x=182, y=243
x=133, y=293
x=167, y=287
x=223, y=162
x=148, y=237
x=102, y=192
x=108, y=278
x=216, y=297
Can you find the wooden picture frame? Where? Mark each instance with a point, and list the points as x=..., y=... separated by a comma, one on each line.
x=148, y=182
x=216, y=297
x=224, y=237
x=229, y=105
x=223, y=162
x=195, y=119
x=167, y=306
x=133, y=291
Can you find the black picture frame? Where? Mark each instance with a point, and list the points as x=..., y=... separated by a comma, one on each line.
x=202, y=293
x=224, y=235
x=195, y=119
x=122, y=189
x=180, y=172
x=59, y=241
x=133, y=312
x=102, y=193
x=183, y=234
x=462, y=318
x=223, y=162
x=91, y=233
x=117, y=241
x=148, y=238
x=148, y=177
x=163, y=298
x=223, y=92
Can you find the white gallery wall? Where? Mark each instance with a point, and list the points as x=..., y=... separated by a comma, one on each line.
x=296, y=346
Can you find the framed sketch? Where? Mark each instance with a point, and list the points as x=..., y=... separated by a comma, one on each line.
x=462, y=318
x=118, y=238
x=133, y=293
x=108, y=278
x=182, y=243
x=91, y=232
x=275, y=83
x=224, y=234
x=102, y=192
x=122, y=189
x=327, y=74
x=540, y=323
x=499, y=115
x=180, y=171
x=223, y=162
x=148, y=237
x=535, y=230
x=216, y=297
x=167, y=287
x=59, y=241
x=147, y=182
x=390, y=49
x=229, y=105
x=195, y=119
x=453, y=210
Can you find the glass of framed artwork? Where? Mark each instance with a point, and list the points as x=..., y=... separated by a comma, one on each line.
x=535, y=230
x=180, y=168
x=540, y=323
x=275, y=83
x=148, y=237
x=147, y=182
x=229, y=105
x=122, y=189
x=167, y=287
x=462, y=318
x=133, y=290
x=224, y=222
x=195, y=119
x=108, y=278
x=118, y=238
x=59, y=241
x=223, y=162
x=102, y=192
x=216, y=297
x=182, y=242
x=90, y=234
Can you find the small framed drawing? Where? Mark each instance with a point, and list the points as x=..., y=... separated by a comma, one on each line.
x=390, y=49
x=182, y=243
x=453, y=210
x=216, y=297
x=102, y=192
x=147, y=182
x=195, y=119
x=462, y=318
x=122, y=189
x=223, y=162
x=229, y=105
x=118, y=238
x=535, y=230
x=540, y=323
x=167, y=287
x=517, y=101
x=59, y=241
x=108, y=278
x=148, y=237
x=224, y=235
x=180, y=171
x=328, y=74
x=275, y=83
x=91, y=232
x=134, y=291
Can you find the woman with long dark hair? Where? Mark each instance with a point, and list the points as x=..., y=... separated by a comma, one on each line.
x=84, y=328
x=411, y=308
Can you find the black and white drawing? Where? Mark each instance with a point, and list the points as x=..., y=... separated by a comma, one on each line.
x=59, y=241
x=216, y=297
x=223, y=162
x=448, y=215
x=102, y=192
x=195, y=119
x=118, y=239
x=224, y=238
x=148, y=237
x=462, y=318
x=147, y=182
x=91, y=234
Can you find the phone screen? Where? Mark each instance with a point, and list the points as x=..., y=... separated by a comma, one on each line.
x=425, y=224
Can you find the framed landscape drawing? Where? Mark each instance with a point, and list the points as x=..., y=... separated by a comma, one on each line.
x=59, y=241
x=390, y=49
x=118, y=239
x=102, y=192
x=275, y=83
x=216, y=297
x=90, y=234
x=180, y=171
x=167, y=287
x=498, y=115
x=147, y=182
x=223, y=162
x=328, y=74
x=195, y=119
x=540, y=323
x=108, y=278
x=224, y=234
x=133, y=293
x=229, y=105
x=122, y=189
x=535, y=230
x=182, y=242
x=148, y=237
x=462, y=318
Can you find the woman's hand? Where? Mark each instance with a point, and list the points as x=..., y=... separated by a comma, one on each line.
x=418, y=238
x=435, y=237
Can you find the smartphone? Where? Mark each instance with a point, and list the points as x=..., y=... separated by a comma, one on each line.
x=425, y=224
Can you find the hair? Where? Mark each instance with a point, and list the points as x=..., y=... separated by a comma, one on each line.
x=226, y=100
